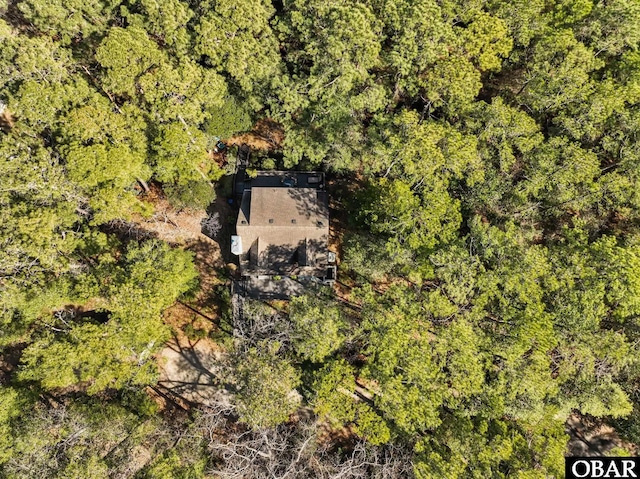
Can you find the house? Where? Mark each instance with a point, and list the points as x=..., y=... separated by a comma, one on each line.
x=282, y=232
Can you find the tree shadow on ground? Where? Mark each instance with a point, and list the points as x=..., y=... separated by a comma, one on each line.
x=226, y=226
x=590, y=437
x=193, y=371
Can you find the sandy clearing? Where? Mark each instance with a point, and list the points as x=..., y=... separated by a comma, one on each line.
x=191, y=371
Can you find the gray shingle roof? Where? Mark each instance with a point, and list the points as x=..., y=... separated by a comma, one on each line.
x=283, y=224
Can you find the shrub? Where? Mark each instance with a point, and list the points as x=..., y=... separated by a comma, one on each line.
x=193, y=194
x=229, y=119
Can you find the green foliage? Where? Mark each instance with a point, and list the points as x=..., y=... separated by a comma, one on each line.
x=67, y=442
x=629, y=427
x=96, y=122
x=491, y=149
x=179, y=154
x=12, y=405
x=193, y=194
x=237, y=39
x=559, y=73
x=337, y=401
x=39, y=58
x=395, y=211
x=367, y=256
x=562, y=176
x=37, y=208
x=418, y=152
x=504, y=133
x=115, y=353
x=95, y=438
x=45, y=106
x=165, y=20
x=331, y=48
x=68, y=19
x=59, y=363
x=183, y=92
x=127, y=54
x=265, y=385
x=409, y=390
x=103, y=173
x=228, y=119
x=438, y=60
x=524, y=19
x=480, y=448
x=318, y=327
x=104, y=155
x=609, y=29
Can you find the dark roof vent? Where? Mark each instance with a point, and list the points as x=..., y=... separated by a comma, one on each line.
x=320, y=224
x=243, y=222
x=293, y=221
x=270, y=220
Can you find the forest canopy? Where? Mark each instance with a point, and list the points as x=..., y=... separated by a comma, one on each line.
x=485, y=160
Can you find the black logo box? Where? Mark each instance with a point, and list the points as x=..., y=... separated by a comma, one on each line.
x=602, y=467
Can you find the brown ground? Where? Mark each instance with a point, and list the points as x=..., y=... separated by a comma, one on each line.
x=190, y=372
x=9, y=360
x=266, y=135
x=178, y=227
x=341, y=191
x=6, y=120
x=187, y=361
x=183, y=228
x=593, y=437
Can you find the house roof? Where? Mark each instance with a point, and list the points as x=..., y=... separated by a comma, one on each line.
x=284, y=224
x=284, y=208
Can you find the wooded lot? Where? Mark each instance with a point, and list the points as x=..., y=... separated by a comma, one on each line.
x=483, y=159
